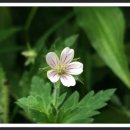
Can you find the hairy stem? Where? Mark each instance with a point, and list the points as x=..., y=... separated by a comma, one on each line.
x=55, y=94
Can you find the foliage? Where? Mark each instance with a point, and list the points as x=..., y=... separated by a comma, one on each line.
x=101, y=34
x=100, y=38
x=39, y=106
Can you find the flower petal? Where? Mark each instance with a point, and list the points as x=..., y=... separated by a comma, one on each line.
x=75, y=68
x=53, y=76
x=67, y=55
x=67, y=80
x=52, y=59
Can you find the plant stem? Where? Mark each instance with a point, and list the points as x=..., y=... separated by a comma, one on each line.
x=56, y=93
x=30, y=17
x=28, y=24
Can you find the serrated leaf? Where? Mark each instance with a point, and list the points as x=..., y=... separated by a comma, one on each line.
x=59, y=44
x=87, y=107
x=38, y=116
x=70, y=111
x=39, y=99
x=79, y=115
x=105, y=29
x=71, y=102
x=87, y=98
x=40, y=88
x=33, y=108
x=98, y=100
x=29, y=102
x=61, y=99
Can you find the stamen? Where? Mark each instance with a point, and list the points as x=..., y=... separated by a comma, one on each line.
x=60, y=69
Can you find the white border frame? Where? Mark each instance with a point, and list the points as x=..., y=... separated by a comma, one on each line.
x=65, y=5
x=67, y=125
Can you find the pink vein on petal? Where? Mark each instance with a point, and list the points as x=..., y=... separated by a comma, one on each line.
x=53, y=61
x=53, y=74
x=71, y=68
x=66, y=58
x=64, y=77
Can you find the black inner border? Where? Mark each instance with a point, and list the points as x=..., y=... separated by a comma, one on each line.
x=66, y=128
x=65, y=1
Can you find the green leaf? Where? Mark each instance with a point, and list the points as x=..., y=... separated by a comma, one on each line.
x=71, y=40
x=105, y=29
x=61, y=99
x=57, y=46
x=87, y=107
x=39, y=107
x=79, y=115
x=29, y=102
x=71, y=102
x=39, y=100
x=98, y=100
x=42, y=89
x=60, y=43
x=41, y=49
x=38, y=116
x=33, y=108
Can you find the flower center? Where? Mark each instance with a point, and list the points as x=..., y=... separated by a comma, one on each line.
x=60, y=69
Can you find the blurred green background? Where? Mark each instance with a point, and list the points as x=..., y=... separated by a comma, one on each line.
x=103, y=45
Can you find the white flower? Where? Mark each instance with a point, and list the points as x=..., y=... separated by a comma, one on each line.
x=63, y=68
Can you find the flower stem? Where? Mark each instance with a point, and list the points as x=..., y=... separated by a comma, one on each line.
x=30, y=17
x=56, y=93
